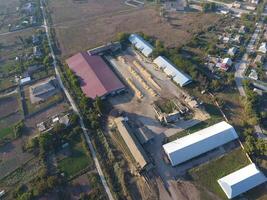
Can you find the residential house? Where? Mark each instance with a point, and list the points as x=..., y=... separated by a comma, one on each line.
x=232, y=51
x=263, y=47
x=259, y=59
x=237, y=39
x=253, y=74
x=226, y=63
x=236, y=4
x=242, y=30
x=255, y=2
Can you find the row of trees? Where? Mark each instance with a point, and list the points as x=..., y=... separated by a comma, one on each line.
x=254, y=146
x=92, y=110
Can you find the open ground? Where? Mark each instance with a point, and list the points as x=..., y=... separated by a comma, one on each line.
x=96, y=22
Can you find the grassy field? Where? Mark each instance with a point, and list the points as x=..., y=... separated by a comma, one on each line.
x=207, y=175
x=96, y=22
x=6, y=133
x=77, y=161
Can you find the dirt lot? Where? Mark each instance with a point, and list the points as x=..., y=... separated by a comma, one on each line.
x=44, y=115
x=90, y=26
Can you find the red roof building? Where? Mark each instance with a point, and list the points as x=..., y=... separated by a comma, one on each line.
x=96, y=78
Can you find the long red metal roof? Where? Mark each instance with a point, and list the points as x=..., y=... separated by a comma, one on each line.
x=96, y=78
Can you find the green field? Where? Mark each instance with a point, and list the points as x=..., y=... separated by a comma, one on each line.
x=77, y=161
x=6, y=132
x=207, y=175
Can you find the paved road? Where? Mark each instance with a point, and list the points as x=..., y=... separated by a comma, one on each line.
x=240, y=68
x=74, y=107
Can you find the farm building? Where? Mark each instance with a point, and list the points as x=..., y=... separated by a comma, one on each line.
x=42, y=91
x=131, y=141
x=141, y=44
x=241, y=181
x=200, y=142
x=178, y=77
x=96, y=78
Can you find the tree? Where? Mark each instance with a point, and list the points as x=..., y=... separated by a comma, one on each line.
x=98, y=105
x=48, y=60
x=18, y=129
x=123, y=37
x=215, y=85
x=209, y=7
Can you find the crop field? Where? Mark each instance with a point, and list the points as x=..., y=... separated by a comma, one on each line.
x=10, y=113
x=12, y=156
x=8, y=105
x=20, y=175
x=91, y=25
x=208, y=174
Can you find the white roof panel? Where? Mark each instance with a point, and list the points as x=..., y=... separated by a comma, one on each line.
x=241, y=180
x=178, y=76
x=200, y=142
x=25, y=80
x=141, y=44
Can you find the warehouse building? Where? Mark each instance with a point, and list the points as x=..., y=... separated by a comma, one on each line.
x=131, y=141
x=193, y=145
x=141, y=44
x=178, y=76
x=241, y=181
x=96, y=78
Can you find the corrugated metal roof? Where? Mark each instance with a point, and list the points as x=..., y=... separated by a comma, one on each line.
x=141, y=44
x=241, y=180
x=97, y=79
x=200, y=142
x=132, y=143
x=178, y=76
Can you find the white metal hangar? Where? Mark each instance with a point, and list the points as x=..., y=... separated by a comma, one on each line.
x=241, y=181
x=141, y=44
x=195, y=144
x=178, y=76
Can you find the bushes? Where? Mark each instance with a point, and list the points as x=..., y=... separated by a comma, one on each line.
x=18, y=129
x=209, y=7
